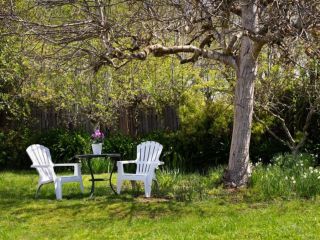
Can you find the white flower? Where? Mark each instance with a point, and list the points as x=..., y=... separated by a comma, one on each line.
x=294, y=182
x=286, y=178
x=318, y=177
x=292, y=178
x=310, y=168
x=258, y=164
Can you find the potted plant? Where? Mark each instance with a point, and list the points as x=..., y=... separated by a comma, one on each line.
x=97, y=140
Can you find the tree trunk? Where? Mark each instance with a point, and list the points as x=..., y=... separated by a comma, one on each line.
x=239, y=167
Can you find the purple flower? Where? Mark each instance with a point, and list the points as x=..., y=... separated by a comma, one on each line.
x=97, y=136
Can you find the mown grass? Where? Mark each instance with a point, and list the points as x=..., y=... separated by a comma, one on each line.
x=221, y=215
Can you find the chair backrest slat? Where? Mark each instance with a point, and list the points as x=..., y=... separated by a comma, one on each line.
x=40, y=155
x=147, y=152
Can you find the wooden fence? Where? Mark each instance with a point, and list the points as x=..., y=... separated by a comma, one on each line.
x=130, y=121
x=135, y=122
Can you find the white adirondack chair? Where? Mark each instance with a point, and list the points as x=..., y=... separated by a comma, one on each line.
x=147, y=162
x=41, y=159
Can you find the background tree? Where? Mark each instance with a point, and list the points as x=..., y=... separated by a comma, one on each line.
x=230, y=32
x=289, y=96
x=14, y=112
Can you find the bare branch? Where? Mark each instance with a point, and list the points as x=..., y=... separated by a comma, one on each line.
x=311, y=112
x=159, y=51
x=271, y=132
x=283, y=124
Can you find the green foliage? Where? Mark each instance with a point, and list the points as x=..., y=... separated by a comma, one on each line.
x=263, y=147
x=285, y=95
x=3, y=152
x=205, y=133
x=289, y=176
x=64, y=144
x=13, y=144
x=120, y=143
x=171, y=153
x=14, y=106
x=191, y=152
x=13, y=74
x=294, y=162
x=183, y=152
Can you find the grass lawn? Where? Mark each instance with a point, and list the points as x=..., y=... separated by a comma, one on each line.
x=108, y=216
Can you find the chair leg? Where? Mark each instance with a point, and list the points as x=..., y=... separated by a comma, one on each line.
x=147, y=187
x=81, y=186
x=58, y=188
x=119, y=184
x=38, y=189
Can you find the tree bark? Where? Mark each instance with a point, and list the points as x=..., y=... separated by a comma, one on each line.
x=239, y=168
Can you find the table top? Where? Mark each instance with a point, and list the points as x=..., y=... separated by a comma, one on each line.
x=102, y=155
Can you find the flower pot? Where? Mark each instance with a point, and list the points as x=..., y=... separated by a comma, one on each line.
x=96, y=148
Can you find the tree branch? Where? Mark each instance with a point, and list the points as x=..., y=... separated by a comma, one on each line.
x=272, y=133
x=159, y=51
x=305, y=128
x=283, y=124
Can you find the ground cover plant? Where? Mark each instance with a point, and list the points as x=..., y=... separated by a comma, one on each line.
x=287, y=176
x=185, y=206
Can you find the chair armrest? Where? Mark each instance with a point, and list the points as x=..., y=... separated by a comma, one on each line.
x=121, y=163
x=40, y=166
x=77, y=167
x=65, y=164
x=127, y=162
x=156, y=164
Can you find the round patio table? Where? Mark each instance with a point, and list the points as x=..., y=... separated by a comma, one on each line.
x=88, y=157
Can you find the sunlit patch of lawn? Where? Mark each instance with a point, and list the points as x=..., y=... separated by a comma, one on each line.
x=108, y=216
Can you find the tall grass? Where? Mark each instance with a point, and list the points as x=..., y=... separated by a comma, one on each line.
x=287, y=176
x=188, y=187
x=172, y=184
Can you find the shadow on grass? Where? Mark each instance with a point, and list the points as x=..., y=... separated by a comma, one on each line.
x=17, y=198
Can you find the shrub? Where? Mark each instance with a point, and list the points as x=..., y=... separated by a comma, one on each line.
x=119, y=143
x=64, y=144
x=13, y=144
